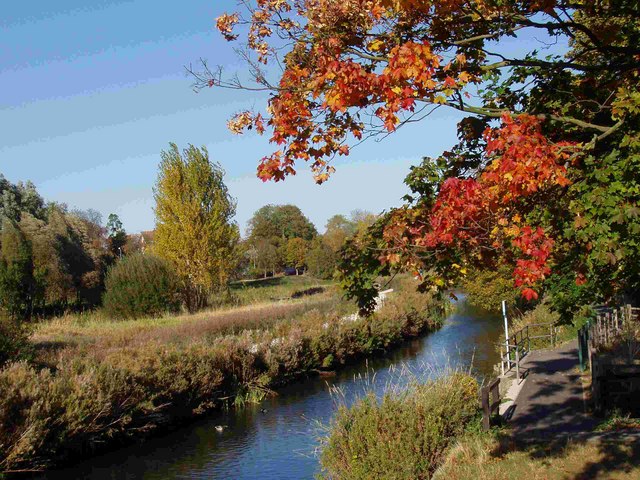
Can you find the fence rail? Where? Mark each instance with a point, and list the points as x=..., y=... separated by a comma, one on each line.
x=518, y=346
x=602, y=330
x=490, y=398
x=614, y=381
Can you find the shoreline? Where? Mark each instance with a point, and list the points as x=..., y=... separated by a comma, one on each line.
x=308, y=348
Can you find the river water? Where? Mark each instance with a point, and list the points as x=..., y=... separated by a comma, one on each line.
x=278, y=439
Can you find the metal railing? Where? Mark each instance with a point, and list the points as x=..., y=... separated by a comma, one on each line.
x=518, y=346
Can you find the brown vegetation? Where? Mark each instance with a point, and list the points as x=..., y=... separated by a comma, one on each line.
x=112, y=381
x=486, y=457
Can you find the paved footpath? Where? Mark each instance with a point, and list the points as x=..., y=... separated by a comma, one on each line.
x=551, y=402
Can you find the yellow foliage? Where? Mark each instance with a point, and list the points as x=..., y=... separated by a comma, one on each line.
x=194, y=227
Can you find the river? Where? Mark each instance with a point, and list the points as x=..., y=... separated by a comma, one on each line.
x=278, y=438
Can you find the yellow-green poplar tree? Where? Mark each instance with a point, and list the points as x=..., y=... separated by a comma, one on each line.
x=194, y=226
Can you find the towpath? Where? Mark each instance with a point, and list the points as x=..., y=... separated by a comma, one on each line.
x=551, y=402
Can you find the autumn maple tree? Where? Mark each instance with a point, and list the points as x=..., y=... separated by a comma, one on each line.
x=544, y=177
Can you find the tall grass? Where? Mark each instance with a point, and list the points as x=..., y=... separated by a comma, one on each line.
x=72, y=334
x=126, y=379
x=402, y=435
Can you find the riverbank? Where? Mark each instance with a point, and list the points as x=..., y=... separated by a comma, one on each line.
x=492, y=456
x=550, y=434
x=402, y=434
x=98, y=397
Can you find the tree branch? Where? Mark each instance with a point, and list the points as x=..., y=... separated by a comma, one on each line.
x=494, y=113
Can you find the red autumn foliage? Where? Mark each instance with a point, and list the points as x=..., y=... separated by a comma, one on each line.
x=479, y=217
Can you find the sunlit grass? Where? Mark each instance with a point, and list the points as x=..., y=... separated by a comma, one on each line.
x=404, y=432
x=485, y=457
x=275, y=288
x=66, y=335
x=257, y=308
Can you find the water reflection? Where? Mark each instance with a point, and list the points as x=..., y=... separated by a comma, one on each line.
x=278, y=439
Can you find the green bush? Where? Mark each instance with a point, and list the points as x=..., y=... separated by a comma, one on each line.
x=141, y=285
x=487, y=289
x=567, y=298
x=405, y=434
x=14, y=341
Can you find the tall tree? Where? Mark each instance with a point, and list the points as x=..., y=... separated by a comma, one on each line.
x=117, y=235
x=546, y=176
x=338, y=229
x=281, y=221
x=19, y=198
x=194, y=222
x=17, y=284
x=296, y=253
x=321, y=259
x=90, y=238
x=267, y=257
x=67, y=250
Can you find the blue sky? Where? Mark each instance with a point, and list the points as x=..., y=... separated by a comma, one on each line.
x=91, y=94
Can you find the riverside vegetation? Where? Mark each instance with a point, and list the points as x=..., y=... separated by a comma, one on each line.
x=489, y=455
x=97, y=382
x=405, y=434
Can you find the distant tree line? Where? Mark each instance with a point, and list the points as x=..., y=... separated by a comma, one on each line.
x=51, y=258
x=281, y=237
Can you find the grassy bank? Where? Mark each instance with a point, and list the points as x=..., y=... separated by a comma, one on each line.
x=272, y=289
x=107, y=383
x=491, y=456
x=405, y=434
x=432, y=431
x=74, y=335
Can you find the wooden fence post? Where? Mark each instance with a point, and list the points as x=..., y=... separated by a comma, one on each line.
x=596, y=385
x=486, y=409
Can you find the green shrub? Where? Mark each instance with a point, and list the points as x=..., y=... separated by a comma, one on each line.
x=543, y=314
x=567, y=298
x=487, y=289
x=402, y=435
x=141, y=285
x=14, y=341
